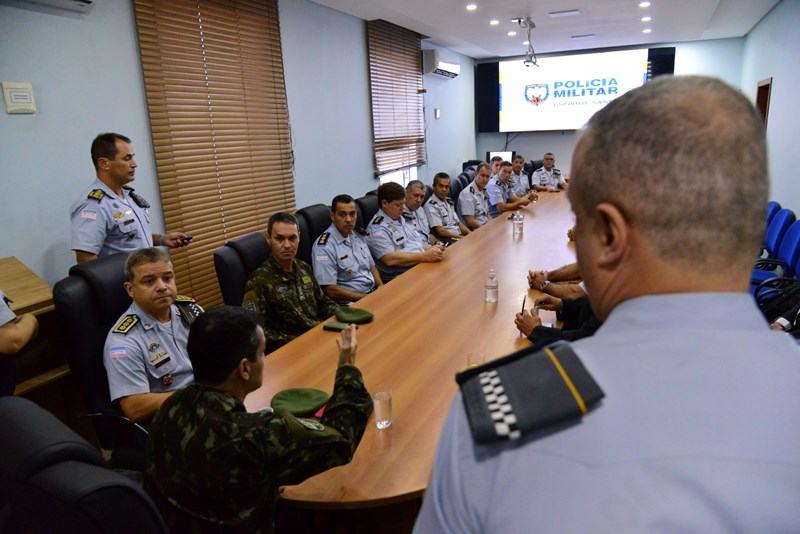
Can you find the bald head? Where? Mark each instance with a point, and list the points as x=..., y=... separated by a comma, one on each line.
x=691, y=175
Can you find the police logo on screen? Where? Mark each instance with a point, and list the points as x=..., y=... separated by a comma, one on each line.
x=536, y=93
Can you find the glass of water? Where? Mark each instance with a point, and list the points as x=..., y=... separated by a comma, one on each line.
x=382, y=405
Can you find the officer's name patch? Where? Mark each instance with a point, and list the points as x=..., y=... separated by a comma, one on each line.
x=117, y=352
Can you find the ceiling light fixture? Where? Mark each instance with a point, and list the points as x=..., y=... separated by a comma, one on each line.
x=494, y=22
x=471, y=7
x=512, y=34
x=646, y=30
x=569, y=13
x=647, y=19
x=530, y=54
x=644, y=4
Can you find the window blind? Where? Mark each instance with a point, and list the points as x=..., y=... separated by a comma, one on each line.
x=216, y=99
x=395, y=76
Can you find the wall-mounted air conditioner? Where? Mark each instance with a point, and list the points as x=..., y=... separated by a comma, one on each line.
x=440, y=63
x=72, y=5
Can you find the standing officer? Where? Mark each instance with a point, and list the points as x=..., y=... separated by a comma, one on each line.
x=145, y=353
x=109, y=217
x=342, y=262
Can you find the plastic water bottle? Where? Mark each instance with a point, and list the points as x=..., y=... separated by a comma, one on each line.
x=491, y=287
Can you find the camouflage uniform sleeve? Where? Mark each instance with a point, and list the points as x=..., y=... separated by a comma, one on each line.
x=325, y=306
x=255, y=299
x=312, y=447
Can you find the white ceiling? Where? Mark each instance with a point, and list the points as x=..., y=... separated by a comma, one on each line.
x=615, y=23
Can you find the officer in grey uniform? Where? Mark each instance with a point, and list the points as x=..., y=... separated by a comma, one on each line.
x=145, y=352
x=442, y=216
x=474, y=200
x=548, y=178
x=15, y=333
x=413, y=211
x=501, y=195
x=343, y=264
x=393, y=241
x=109, y=217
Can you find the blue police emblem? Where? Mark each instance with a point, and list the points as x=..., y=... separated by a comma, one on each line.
x=536, y=93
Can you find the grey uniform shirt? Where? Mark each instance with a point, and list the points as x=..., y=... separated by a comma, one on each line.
x=544, y=178
x=519, y=183
x=344, y=262
x=696, y=433
x=472, y=201
x=6, y=313
x=104, y=224
x=420, y=221
x=385, y=235
x=442, y=213
x=144, y=356
x=498, y=193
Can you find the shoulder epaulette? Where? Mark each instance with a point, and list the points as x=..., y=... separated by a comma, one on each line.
x=377, y=220
x=450, y=201
x=361, y=231
x=472, y=189
x=527, y=391
x=96, y=194
x=188, y=309
x=125, y=325
x=432, y=201
x=407, y=216
x=323, y=238
x=498, y=182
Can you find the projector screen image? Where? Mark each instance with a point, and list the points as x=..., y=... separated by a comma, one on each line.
x=563, y=92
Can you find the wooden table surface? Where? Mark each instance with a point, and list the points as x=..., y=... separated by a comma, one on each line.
x=426, y=321
x=30, y=293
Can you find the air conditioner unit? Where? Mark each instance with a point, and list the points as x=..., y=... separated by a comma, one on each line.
x=440, y=63
x=72, y=5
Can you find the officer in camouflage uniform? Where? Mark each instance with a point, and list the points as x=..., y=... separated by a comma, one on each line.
x=284, y=290
x=145, y=353
x=210, y=464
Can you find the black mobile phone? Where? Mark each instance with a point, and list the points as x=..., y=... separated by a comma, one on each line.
x=188, y=238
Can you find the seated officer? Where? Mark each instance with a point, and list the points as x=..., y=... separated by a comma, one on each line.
x=543, y=281
x=214, y=467
x=548, y=178
x=15, y=332
x=415, y=213
x=441, y=212
x=283, y=290
x=501, y=195
x=343, y=264
x=145, y=353
x=474, y=201
x=393, y=240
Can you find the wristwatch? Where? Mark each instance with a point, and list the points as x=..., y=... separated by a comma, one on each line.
x=544, y=285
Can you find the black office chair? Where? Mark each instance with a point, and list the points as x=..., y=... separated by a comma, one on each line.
x=88, y=303
x=235, y=261
x=369, y=207
x=428, y=193
x=312, y=220
x=52, y=480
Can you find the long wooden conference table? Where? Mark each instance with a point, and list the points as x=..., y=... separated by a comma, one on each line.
x=426, y=321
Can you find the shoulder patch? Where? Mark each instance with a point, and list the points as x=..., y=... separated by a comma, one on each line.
x=548, y=387
x=142, y=203
x=125, y=325
x=96, y=194
x=377, y=220
x=323, y=238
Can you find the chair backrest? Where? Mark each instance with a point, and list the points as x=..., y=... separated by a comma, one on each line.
x=428, y=193
x=235, y=261
x=313, y=220
x=455, y=188
x=88, y=303
x=55, y=481
x=33, y=439
x=369, y=207
x=789, y=249
x=772, y=208
x=777, y=229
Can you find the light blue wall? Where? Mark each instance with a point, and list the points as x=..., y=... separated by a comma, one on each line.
x=450, y=140
x=86, y=78
x=773, y=50
x=720, y=58
x=327, y=87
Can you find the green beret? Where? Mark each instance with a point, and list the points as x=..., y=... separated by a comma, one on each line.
x=348, y=314
x=300, y=401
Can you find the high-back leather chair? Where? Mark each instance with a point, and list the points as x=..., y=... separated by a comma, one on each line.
x=54, y=481
x=235, y=261
x=88, y=303
x=369, y=207
x=312, y=221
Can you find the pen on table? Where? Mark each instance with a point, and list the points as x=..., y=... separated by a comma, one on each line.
x=524, y=299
